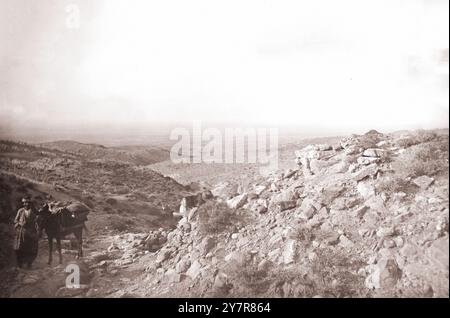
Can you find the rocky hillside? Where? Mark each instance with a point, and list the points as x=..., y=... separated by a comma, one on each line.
x=89, y=178
x=123, y=196
x=139, y=155
x=366, y=216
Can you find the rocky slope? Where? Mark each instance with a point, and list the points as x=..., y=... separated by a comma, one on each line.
x=123, y=196
x=101, y=183
x=368, y=217
x=139, y=155
x=364, y=217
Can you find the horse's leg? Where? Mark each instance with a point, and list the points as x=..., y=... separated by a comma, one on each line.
x=79, y=235
x=58, y=246
x=50, y=249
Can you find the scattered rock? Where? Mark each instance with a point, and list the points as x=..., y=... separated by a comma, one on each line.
x=438, y=253
x=366, y=189
x=389, y=243
x=367, y=171
x=374, y=152
x=332, y=238
x=207, y=244
x=259, y=208
x=225, y=190
x=289, y=173
x=385, y=274
x=154, y=241
x=386, y=231
x=286, y=205
x=220, y=281
x=237, y=202
x=184, y=225
x=367, y=160
x=423, y=182
x=258, y=190
x=274, y=188
x=359, y=212
x=399, y=241
x=194, y=270
x=345, y=242
x=307, y=209
x=163, y=255
x=289, y=253
x=192, y=214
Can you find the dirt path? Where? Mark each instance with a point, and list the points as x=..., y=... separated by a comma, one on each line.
x=45, y=281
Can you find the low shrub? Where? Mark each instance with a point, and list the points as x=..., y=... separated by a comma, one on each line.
x=331, y=274
x=393, y=184
x=215, y=217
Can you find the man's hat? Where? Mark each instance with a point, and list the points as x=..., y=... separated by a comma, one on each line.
x=25, y=199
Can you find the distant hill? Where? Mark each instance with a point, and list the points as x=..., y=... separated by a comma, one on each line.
x=92, y=173
x=139, y=155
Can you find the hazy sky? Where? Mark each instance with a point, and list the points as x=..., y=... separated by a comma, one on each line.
x=342, y=66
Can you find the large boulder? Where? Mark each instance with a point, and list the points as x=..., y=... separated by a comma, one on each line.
x=285, y=195
x=374, y=153
x=438, y=253
x=287, y=199
x=317, y=166
x=237, y=202
x=154, y=241
x=259, y=206
x=194, y=270
x=289, y=173
x=207, y=244
x=330, y=193
x=366, y=189
x=172, y=276
x=259, y=189
x=365, y=161
x=423, y=182
x=182, y=266
x=385, y=274
x=317, y=151
x=225, y=190
x=287, y=205
x=367, y=171
x=164, y=254
x=307, y=209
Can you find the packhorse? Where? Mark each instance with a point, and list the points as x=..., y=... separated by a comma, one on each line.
x=58, y=224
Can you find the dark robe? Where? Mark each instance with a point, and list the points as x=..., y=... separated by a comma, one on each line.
x=26, y=239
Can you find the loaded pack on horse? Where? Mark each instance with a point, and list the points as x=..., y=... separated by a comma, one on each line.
x=59, y=220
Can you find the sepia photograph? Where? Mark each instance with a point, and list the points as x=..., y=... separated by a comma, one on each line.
x=245, y=151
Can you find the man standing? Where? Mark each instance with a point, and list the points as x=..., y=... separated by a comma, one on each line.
x=26, y=239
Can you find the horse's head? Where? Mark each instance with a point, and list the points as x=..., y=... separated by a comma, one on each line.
x=42, y=217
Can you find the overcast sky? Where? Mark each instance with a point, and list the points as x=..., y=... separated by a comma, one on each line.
x=335, y=66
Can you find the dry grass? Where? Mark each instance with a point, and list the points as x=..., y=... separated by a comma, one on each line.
x=394, y=184
x=332, y=274
x=216, y=217
x=429, y=158
x=418, y=137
